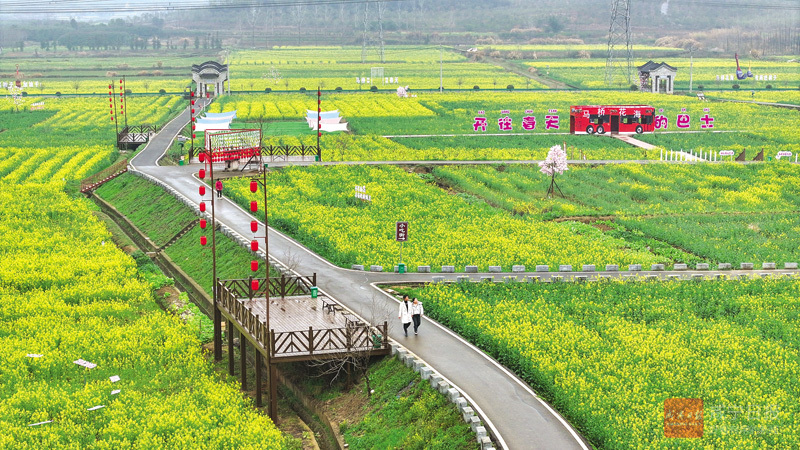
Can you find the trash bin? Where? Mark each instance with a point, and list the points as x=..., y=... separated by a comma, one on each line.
x=377, y=341
x=401, y=268
x=316, y=158
x=314, y=290
x=180, y=163
x=769, y=158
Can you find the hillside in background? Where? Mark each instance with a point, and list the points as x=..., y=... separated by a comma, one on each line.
x=763, y=27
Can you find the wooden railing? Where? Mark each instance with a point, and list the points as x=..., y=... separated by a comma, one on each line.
x=136, y=133
x=355, y=336
x=94, y=181
x=311, y=342
x=290, y=150
x=282, y=286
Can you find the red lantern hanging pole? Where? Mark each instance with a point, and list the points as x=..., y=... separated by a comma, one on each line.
x=273, y=402
x=125, y=90
x=217, y=313
x=319, y=121
x=191, y=123
x=113, y=106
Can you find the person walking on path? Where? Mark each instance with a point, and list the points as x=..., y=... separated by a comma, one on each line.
x=405, y=314
x=416, y=313
x=219, y=188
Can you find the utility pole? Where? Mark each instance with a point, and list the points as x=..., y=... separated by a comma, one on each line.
x=691, y=66
x=441, y=67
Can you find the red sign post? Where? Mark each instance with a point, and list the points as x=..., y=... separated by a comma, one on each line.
x=401, y=231
x=401, y=235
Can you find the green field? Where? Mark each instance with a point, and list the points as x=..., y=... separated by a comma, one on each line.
x=607, y=355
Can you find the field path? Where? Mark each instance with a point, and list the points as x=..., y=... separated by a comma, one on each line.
x=511, y=411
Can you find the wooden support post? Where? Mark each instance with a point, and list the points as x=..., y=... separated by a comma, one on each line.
x=243, y=360
x=273, y=393
x=230, y=348
x=259, y=380
x=310, y=340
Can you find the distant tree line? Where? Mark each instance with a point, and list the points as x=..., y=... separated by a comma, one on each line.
x=118, y=34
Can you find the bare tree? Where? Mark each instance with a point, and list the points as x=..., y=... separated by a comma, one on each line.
x=357, y=361
x=298, y=16
x=364, y=37
x=381, y=11
x=253, y=19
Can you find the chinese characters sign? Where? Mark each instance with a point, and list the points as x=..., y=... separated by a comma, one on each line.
x=507, y=119
x=683, y=121
x=401, y=231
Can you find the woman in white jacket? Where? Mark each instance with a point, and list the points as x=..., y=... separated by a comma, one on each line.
x=416, y=313
x=405, y=314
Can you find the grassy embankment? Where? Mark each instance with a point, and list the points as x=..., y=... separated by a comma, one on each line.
x=404, y=412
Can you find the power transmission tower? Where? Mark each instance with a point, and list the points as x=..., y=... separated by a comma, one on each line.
x=619, y=61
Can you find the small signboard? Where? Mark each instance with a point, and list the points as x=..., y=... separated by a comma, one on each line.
x=114, y=378
x=782, y=154
x=361, y=193
x=401, y=231
x=39, y=423
x=86, y=364
x=727, y=153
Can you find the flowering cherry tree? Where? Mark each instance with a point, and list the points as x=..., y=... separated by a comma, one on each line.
x=15, y=96
x=555, y=164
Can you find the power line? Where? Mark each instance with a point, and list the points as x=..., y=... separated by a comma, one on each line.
x=84, y=6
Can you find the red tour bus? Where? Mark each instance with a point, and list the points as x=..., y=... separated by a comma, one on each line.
x=612, y=118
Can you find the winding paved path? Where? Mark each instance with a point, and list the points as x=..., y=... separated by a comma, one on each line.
x=517, y=417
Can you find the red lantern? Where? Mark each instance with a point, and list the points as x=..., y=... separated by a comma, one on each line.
x=253, y=186
x=253, y=226
x=109, y=86
x=203, y=223
x=192, y=94
x=112, y=113
x=193, y=127
x=254, y=285
x=194, y=136
x=201, y=156
x=112, y=119
x=319, y=102
x=202, y=206
x=192, y=110
x=254, y=245
x=319, y=133
x=203, y=240
x=319, y=111
x=202, y=190
x=201, y=173
x=254, y=266
x=192, y=102
x=254, y=206
x=120, y=81
x=319, y=93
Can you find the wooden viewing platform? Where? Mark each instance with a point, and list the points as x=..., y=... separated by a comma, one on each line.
x=301, y=327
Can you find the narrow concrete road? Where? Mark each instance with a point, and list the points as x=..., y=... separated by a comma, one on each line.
x=512, y=412
x=516, y=416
